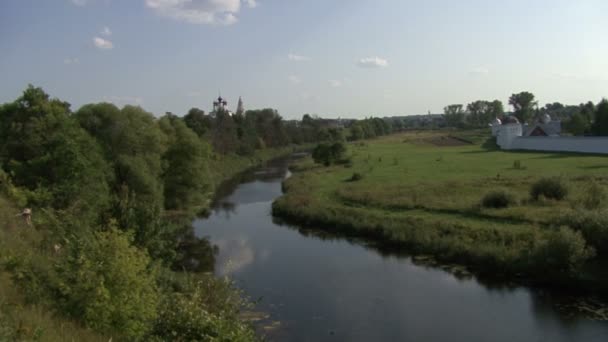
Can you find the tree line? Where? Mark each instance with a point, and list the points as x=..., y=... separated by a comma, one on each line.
x=586, y=118
x=102, y=181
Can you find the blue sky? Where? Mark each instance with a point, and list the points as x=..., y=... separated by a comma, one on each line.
x=348, y=58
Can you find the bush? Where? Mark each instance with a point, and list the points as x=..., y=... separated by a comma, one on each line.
x=327, y=154
x=356, y=177
x=498, y=199
x=108, y=284
x=592, y=224
x=551, y=188
x=517, y=165
x=563, y=253
x=206, y=310
x=594, y=196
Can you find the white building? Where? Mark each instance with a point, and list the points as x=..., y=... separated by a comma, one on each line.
x=543, y=136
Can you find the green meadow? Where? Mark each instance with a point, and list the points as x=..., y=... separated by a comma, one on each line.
x=422, y=192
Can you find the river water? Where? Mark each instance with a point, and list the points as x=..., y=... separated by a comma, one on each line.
x=330, y=289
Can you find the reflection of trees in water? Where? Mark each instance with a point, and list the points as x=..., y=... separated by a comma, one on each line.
x=226, y=208
x=195, y=254
x=396, y=251
x=572, y=309
x=267, y=172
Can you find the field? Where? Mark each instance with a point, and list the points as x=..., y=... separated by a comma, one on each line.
x=422, y=192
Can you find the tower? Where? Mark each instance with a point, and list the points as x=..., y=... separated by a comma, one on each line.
x=219, y=105
x=240, y=109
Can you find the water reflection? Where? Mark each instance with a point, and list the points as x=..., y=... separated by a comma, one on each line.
x=323, y=287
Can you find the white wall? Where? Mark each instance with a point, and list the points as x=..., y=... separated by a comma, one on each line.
x=562, y=144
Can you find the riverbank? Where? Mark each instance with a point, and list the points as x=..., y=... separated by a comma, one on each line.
x=413, y=194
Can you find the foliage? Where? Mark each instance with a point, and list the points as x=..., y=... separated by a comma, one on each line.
x=480, y=113
x=186, y=173
x=594, y=196
x=498, y=199
x=600, y=125
x=46, y=152
x=356, y=177
x=197, y=121
x=551, y=188
x=523, y=103
x=107, y=283
x=454, y=115
x=327, y=154
x=205, y=310
x=564, y=252
x=593, y=225
x=133, y=141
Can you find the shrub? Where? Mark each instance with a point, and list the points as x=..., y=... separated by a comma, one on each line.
x=107, y=283
x=206, y=310
x=517, y=165
x=498, y=199
x=563, y=253
x=594, y=196
x=327, y=154
x=356, y=177
x=592, y=224
x=552, y=188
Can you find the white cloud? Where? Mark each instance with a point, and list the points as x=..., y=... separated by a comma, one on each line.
x=335, y=83
x=372, y=62
x=103, y=44
x=69, y=61
x=297, y=58
x=294, y=79
x=480, y=70
x=251, y=3
x=79, y=2
x=105, y=31
x=124, y=100
x=222, y=12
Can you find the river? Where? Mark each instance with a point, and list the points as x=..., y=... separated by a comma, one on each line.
x=330, y=289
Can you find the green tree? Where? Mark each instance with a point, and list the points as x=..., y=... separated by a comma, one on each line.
x=454, y=115
x=600, y=125
x=186, y=173
x=47, y=152
x=577, y=125
x=107, y=283
x=133, y=141
x=197, y=121
x=523, y=103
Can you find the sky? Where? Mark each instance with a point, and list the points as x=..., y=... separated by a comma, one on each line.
x=334, y=58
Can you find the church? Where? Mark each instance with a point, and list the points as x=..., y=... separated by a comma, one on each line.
x=544, y=135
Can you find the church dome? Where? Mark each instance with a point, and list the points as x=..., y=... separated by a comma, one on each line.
x=546, y=118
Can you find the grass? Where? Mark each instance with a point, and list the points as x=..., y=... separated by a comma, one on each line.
x=19, y=320
x=425, y=198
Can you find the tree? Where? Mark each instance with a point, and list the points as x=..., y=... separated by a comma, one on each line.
x=454, y=115
x=186, y=173
x=496, y=110
x=600, y=125
x=133, y=141
x=523, y=104
x=327, y=154
x=107, y=283
x=224, y=134
x=197, y=121
x=47, y=152
x=577, y=125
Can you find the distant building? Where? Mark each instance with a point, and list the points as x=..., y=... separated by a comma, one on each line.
x=220, y=105
x=544, y=135
x=240, y=109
